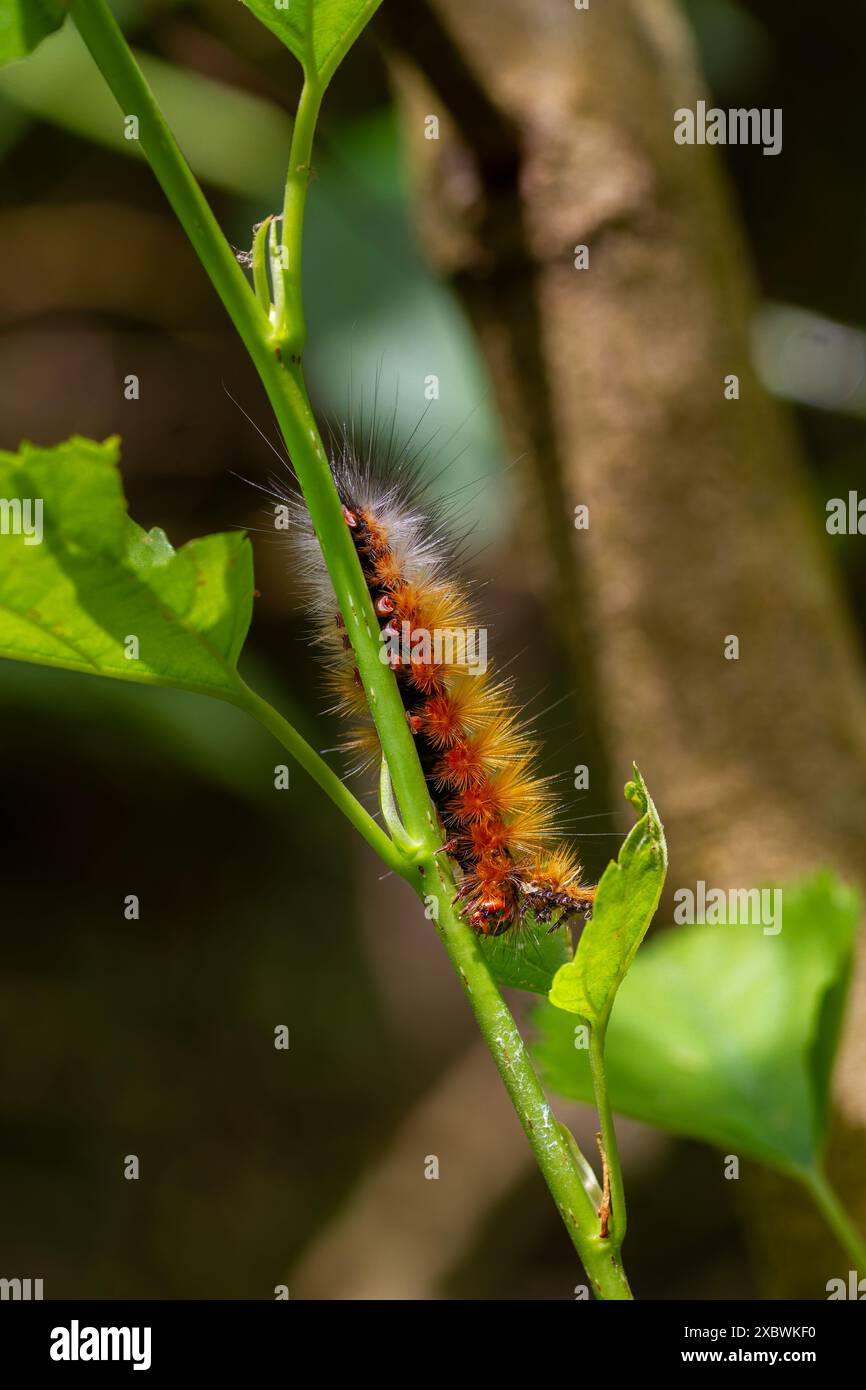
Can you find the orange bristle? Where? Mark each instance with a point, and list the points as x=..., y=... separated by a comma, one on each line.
x=442, y=721
x=388, y=572
x=477, y=802
x=498, y=814
x=488, y=836
x=376, y=540
x=462, y=765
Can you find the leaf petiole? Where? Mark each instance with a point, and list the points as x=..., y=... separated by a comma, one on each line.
x=260, y=265
x=270, y=719
x=613, y=1187
x=391, y=815
x=830, y=1205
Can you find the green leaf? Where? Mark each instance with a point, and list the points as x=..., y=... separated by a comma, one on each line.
x=527, y=959
x=318, y=32
x=95, y=579
x=627, y=897
x=25, y=23
x=725, y=1034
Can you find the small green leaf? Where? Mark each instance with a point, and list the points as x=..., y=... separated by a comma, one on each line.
x=87, y=579
x=725, y=1034
x=318, y=32
x=527, y=959
x=25, y=23
x=627, y=897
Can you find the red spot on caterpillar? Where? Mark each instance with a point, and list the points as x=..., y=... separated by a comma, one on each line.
x=350, y=518
x=416, y=723
x=384, y=605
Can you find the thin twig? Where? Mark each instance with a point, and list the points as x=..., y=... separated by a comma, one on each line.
x=604, y=1209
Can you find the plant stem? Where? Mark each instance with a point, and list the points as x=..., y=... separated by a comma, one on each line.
x=284, y=384
x=322, y=774
x=830, y=1205
x=293, y=329
x=288, y=396
x=617, y=1227
x=100, y=32
x=601, y=1258
x=427, y=869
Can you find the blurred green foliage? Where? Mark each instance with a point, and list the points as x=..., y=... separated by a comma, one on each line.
x=725, y=1033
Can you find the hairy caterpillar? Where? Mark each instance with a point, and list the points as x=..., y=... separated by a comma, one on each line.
x=478, y=757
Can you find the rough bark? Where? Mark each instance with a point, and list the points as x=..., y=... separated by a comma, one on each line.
x=556, y=128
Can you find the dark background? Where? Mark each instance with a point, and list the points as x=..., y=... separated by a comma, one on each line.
x=258, y=907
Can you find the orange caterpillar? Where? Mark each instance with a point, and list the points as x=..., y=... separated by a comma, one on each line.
x=478, y=759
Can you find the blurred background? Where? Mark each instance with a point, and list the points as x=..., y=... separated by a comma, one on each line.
x=556, y=387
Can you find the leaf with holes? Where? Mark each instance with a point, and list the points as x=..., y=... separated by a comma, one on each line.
x=83, y=587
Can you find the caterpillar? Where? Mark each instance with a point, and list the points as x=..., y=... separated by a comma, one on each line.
x=477, y=754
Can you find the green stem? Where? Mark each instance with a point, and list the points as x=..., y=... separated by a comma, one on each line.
x=829, y=1204
x=253, y=704
x=561, y=1171
x=284, y=383
x=276, y=310
x=293, y=328
x=100, y=32
x=617, y=1222
x=288, y=396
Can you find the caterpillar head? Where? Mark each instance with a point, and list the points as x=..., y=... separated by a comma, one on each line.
x=557, y=906
x=492, y=916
